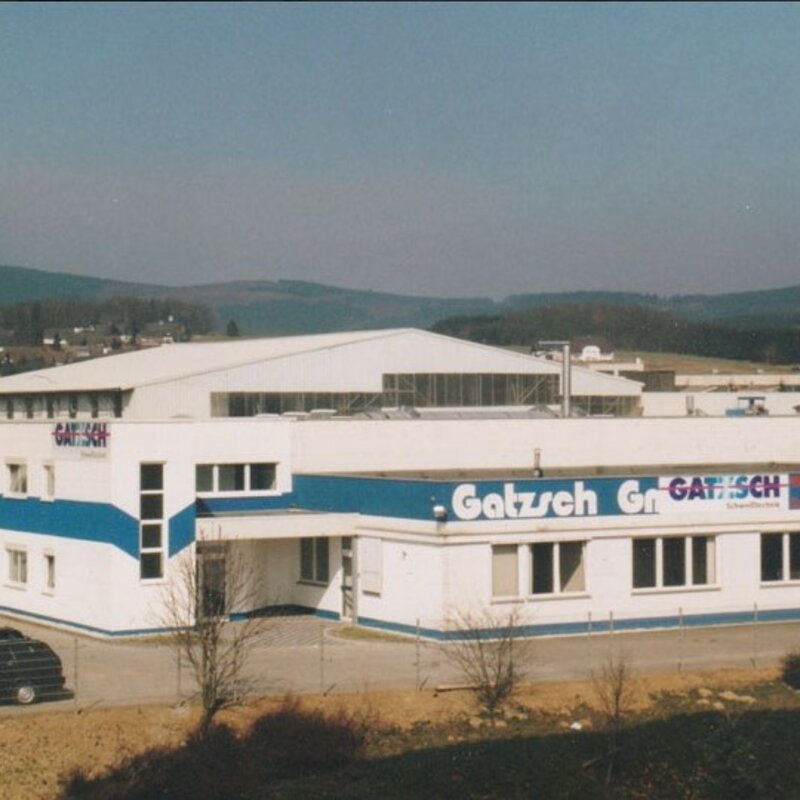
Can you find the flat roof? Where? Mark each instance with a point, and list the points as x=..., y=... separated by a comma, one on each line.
x=590, y=471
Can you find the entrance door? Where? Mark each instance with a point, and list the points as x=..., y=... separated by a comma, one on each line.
x=211, y=581
x=347, y=578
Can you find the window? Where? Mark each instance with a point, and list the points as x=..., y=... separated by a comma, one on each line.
x=9, y=408
x=94, y=405
x=50, y=571
x=17, y=566
x=50, y=404
x=314, y=559
x=673, y=561
x=505, y=573
x=558, y=567
x=72, y=406
x=211, y=478
x=151, y=525
x=117, y=404
x=780, y=557
x=48, y=481
x=17, y=478
x=28, y=407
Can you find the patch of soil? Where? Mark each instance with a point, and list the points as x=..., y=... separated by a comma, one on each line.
x=38, y=748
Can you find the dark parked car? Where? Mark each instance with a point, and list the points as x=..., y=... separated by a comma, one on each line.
x=29, y=670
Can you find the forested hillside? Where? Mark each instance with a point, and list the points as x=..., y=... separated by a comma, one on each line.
x=630, y=328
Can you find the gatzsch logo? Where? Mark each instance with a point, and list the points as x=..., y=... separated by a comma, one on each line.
x=725, y=487
x=81, y=434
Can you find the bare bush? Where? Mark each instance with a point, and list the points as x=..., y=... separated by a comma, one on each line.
x=489, y=654
x=614, y=690
x=207, y=585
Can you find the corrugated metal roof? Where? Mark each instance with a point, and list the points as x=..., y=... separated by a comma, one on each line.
x=175, y=361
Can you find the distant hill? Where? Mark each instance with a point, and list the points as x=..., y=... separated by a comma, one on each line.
x=292, y=307
x=258, y=307
x=763, y=307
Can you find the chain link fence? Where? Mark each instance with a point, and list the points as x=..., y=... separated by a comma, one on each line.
x=303, y=654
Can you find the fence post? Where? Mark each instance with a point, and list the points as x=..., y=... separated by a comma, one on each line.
x=680, y=639
x=179, y=688
x=75, y=668
x=321, y=659
x=417, y=663
x=589, y=646
x=755, y=636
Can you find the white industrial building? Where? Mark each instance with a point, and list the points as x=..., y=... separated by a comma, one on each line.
x=397, y=479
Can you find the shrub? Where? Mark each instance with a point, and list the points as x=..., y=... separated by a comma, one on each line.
x=790, y=669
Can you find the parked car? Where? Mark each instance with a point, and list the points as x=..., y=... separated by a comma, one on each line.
x=29, y=670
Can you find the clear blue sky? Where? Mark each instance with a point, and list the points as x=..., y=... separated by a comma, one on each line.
x=429, y=149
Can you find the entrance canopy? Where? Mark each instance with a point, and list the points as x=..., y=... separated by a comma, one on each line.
x=272, y=525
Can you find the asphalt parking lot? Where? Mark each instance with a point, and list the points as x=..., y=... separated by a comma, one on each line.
x=307, y=654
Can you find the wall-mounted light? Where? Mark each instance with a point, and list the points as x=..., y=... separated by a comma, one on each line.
x=440, y=513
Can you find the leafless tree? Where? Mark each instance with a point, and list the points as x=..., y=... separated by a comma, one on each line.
x=614, y=690
x=208, y=585
x=489, y=654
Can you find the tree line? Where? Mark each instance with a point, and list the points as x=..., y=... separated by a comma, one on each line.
x=630, y=328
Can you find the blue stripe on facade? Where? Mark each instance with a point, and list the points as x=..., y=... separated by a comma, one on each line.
x=524, y=631
x=598, y=626
x=181, y=530
x=71, y=519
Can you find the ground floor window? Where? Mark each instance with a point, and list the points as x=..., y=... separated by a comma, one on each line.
x=49, y=571
x=17, y=565
x=780, y=557
x=315, y=559
x=673, y=561
x=558, y=567
x=505, y=573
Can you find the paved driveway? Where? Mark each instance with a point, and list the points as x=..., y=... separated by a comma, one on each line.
x=303, y=654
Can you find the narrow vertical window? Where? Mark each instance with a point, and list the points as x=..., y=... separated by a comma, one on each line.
x=315, y=559
x=572, y=573
x=17, y=565
x=151, y=525
x=674, y=561
x=505, y=574
x=50, y=571
x=542, y=569
x=644, y=563
x=771, y=557
x=48, y=481
x=17, y=478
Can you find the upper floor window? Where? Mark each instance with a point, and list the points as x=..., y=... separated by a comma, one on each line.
x=212, y=478
x=17, y=478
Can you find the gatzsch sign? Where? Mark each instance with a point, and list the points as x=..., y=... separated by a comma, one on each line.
x=85, y=435
x=623, y=496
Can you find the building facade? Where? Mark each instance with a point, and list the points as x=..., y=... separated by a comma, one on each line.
x=396, y=479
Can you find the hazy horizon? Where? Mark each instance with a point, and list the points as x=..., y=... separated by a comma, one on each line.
x=446, y=150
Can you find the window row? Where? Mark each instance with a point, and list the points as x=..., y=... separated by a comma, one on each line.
x=661, y=562
x=64, y=406
x=555, y=568
x=17, y=483
x=17, y=568
x=210, y=478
